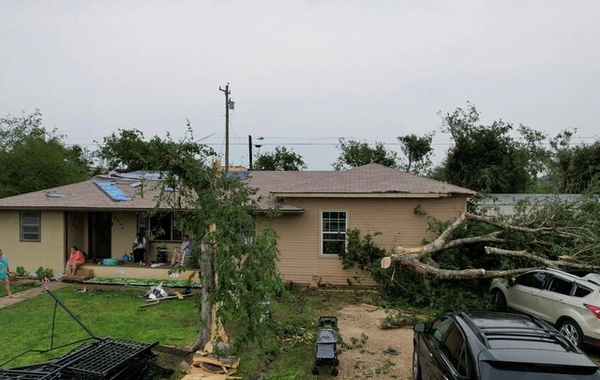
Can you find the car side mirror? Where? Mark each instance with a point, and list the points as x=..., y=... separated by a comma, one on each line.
x=419, y=327
x=511, y=281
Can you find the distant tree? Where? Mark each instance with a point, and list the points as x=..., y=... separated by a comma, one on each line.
x=355, y=153
x=574, y=169
x=279, y=160
x=129, y=151
x=417, y=151
x=33, y=158
x=487, y=158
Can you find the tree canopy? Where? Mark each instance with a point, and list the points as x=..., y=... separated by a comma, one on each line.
x=486, y=158
x=279, y=160
x=237, y=260
x=355, y=153
x=127, y=151
x=418, y=152
x=33, y=158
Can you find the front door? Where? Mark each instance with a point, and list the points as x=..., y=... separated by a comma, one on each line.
x=100, y=232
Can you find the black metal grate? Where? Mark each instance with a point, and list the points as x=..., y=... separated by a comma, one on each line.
x=100, y=359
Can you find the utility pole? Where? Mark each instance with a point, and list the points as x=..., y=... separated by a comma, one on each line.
x=250, y=152
x=250, y=149
x=227, y=93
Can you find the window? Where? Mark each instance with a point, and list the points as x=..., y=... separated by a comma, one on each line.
x=455, y=350
x=333, y=227
x=532, y=280
x=162, y=226
x=30, y=226
x=558, y=285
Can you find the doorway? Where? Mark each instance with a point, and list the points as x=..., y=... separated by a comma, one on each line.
x=100, y=235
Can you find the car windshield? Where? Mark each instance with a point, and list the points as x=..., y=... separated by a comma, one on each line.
x=527, y=371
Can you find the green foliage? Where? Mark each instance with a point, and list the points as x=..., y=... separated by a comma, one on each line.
x=237, y=260
x=279, y=160
x=21, y=272
x=33, y=158
x=44, y=273
x=574, y=169
x=355, y=153
x=417, y=151
x=486, y=158
x=129, y=151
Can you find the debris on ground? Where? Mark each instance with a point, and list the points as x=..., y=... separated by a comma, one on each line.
x=157, y=294
x=216, y=362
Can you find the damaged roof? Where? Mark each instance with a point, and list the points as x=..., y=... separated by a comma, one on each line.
x=121, y=191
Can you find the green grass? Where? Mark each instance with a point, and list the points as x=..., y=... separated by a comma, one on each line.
x=288, y=351
x=28, y=325
x=16, y=287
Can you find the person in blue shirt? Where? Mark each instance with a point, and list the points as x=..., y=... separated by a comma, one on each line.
x=4, y=273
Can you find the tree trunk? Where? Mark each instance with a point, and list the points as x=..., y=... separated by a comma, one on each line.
x=207, y=276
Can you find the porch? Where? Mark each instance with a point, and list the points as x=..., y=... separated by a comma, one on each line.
x=129, y=271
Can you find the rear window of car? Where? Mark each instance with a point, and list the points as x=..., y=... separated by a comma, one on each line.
x=580, y=291
x=510, y=371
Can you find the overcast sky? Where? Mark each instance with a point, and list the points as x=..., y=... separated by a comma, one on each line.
x=302, y=73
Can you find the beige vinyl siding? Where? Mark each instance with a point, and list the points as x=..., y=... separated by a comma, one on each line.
x=124, y=228
x=49, y=252
x=300, y=235
x=77, y=231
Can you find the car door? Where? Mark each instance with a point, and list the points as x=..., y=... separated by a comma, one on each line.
x=551, y=300
x=433, y=364
x=523, y=294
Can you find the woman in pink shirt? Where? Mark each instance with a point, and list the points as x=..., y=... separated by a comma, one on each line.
x=75, y=259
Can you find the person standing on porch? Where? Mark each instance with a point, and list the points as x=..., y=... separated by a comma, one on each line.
x=139, y=248
x=4, y=273
x=186, y=249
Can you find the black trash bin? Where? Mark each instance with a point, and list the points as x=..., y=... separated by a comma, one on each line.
x=161, y=255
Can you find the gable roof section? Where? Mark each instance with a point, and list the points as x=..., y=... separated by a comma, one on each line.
x=87, y=195
x=372, y=180
x=368, y=181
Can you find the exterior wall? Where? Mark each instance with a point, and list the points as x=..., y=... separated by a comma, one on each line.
x=49, y=252
x=124, y=228
x=300, y=235
x=77, y=231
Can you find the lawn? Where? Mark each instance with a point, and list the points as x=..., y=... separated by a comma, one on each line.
x=288, y=351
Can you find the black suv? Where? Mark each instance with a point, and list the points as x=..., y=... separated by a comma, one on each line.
x=499, y=346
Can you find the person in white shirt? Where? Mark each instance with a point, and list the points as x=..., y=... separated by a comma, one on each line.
x=186, y=249
x=139, y=248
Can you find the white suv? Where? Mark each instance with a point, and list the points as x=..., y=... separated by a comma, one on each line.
x=569, y=301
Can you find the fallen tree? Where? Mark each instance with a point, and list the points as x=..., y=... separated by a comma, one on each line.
x=551, y=235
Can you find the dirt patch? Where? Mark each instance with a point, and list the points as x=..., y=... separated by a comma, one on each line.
x=376, y=353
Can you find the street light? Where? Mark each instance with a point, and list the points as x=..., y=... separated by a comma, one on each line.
x=250, y=149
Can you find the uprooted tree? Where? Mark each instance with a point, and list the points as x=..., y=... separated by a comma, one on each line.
x=563, y=234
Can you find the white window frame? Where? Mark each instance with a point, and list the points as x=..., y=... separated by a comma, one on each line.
x=33, y=226
x=322, y=239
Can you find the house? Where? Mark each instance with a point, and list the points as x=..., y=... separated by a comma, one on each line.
x=505, y=203
x=103, y=214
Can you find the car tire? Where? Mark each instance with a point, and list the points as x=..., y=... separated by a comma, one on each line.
x=499, y=300
x=416, y=367
x=571, y=330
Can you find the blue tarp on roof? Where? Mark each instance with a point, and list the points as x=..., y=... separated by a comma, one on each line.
x=111, y=189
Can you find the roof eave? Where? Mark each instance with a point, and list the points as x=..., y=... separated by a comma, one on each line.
x=363, y=195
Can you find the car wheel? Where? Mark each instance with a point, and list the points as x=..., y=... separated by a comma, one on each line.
x=572, y=331
x=416, y=366
x=499, y=300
